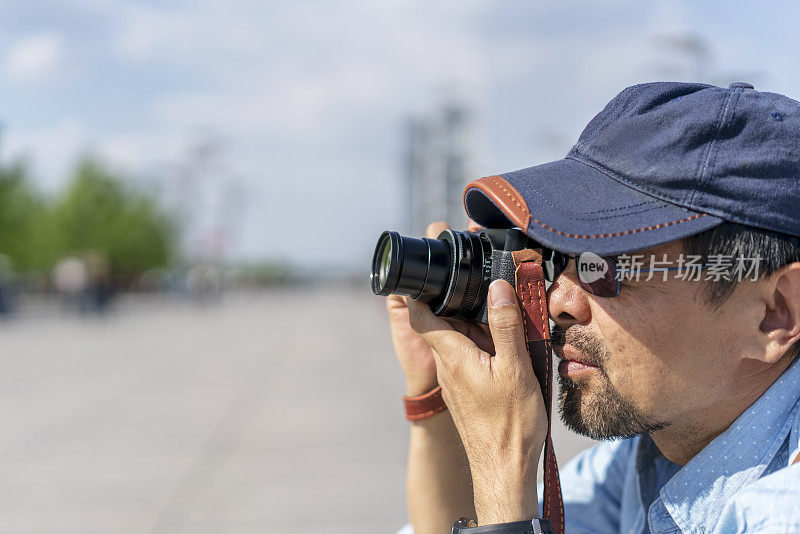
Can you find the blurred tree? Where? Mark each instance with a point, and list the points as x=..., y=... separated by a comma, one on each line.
x=24, y=221
x=98, y=213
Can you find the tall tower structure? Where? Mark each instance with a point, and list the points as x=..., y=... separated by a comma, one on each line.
x=436, y=167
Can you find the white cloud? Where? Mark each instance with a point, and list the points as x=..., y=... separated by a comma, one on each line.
x=305, y=74
x=165, y=33
x=310, y=97
x=35, y=57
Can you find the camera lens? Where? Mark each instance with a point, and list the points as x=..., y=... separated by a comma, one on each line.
x=452, y=273
x=417, y=268
x=383, y=267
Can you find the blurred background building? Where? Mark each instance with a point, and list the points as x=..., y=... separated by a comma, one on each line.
x=190, y=193
x=437, y=166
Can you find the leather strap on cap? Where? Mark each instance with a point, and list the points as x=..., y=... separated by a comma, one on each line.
x=533, y=301
x=425, y=405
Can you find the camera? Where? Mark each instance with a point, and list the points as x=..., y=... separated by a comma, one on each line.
x=451, y=273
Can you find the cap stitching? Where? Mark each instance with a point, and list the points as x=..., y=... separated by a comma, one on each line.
x=659, y=205
x=508, y=194
x=620, y=208
x=626, y=232
x=625, y=181
x=707, y=156
x=703, y=185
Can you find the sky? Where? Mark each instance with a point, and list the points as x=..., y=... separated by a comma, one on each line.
x=279, y=125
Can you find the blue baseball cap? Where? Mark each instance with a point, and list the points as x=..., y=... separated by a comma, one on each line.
x=661, y=162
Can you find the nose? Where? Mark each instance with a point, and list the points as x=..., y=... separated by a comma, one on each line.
x=567, y=303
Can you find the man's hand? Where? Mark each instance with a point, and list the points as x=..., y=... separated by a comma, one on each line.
x=413, y=352
x=438, y=484
x=495, y=402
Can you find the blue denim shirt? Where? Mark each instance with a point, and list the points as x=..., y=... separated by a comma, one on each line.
x=740, y=482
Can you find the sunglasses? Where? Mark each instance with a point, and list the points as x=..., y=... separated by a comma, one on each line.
x=597, y=275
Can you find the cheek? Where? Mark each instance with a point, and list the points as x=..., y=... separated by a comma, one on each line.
x=663, y=362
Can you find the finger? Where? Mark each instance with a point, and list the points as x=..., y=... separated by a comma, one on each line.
x=472, y=226
x=395, y=302
x=436, y=228
x=505, y=323
x=478, y=333
x=451, y=349
x=445, y=395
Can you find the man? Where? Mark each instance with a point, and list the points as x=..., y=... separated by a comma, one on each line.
x=691, y=378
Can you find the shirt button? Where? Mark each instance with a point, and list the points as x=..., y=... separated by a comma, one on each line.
x=740, y=85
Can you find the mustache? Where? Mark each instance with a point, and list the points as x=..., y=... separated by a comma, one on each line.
x=594, y=349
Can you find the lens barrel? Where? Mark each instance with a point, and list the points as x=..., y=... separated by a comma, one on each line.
x=409, y=266
x=451, y=273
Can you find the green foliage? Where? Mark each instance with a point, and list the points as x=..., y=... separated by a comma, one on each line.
x=22, y=220
x=96, y=213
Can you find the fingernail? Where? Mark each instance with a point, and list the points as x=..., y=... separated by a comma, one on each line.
x=501, y=294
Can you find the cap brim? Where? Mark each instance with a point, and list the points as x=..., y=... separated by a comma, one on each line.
x=573, y=208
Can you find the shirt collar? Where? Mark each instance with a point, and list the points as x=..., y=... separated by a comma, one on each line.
x=700, y=490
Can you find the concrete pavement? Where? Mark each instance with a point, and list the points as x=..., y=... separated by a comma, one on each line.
x=273, y=413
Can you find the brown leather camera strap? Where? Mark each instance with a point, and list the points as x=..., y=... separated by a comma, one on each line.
x=533, y=301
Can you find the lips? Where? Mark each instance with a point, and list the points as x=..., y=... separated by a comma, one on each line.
x=573, y=363
x=571, y=354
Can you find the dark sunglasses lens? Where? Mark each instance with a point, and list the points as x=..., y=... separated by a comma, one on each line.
x=553, y=264
x=598, y=275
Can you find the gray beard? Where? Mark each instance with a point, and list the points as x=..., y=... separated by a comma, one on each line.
x=606, y=413
x=603, y=415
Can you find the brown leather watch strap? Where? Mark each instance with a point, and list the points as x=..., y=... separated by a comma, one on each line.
x=533, y=301
x=424, y=405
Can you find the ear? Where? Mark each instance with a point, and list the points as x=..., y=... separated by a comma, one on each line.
x=781, y=322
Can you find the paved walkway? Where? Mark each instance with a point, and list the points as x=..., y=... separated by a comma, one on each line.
x=271, y=414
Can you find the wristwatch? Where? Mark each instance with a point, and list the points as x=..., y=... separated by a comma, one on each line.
x=466, y=525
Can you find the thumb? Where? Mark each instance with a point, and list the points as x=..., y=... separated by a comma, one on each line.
x=505, y=323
